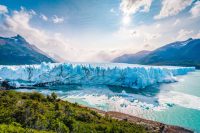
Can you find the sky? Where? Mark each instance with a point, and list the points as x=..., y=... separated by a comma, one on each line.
x=99, y=30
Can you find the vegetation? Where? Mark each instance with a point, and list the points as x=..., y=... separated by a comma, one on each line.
x=35, y=113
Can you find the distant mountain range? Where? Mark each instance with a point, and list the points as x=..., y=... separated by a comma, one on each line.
x=180, y=53
x=17, y=51
x=131, y=58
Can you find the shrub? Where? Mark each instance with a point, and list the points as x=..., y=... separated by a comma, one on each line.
x=33, y=112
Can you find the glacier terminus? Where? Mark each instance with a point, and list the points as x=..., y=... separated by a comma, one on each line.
x=116, y=74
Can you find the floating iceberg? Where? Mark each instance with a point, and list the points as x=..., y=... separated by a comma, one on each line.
x=125, y=75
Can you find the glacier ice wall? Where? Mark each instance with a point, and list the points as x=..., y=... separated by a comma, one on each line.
x=125, y=75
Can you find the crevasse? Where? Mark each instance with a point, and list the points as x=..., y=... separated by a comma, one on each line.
x=125, y=75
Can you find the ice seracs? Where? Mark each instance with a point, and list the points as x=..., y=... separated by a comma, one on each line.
x=125, y=75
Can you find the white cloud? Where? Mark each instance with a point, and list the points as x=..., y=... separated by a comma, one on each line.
x=44, y=17
x=130, y=7
x=184, y=34
x=19, y=23
x=113, y=11
x=140, y=36
x=57, y=20
x=4, y=32
x=52, y=43
x=197, y=35
x=3, y=9
x=141, y=32
x=157, y=34
x=176, y=22
x=172, y=7
x=158, y=25
x=32, y=12
x=195, y=11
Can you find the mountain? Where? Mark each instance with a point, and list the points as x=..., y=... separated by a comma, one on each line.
x=17, y=51
x=180, y=53
x=131, y=58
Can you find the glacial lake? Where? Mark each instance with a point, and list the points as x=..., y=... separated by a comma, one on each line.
x=175, y=103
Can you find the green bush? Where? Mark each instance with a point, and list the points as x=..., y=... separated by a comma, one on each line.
x=13, y=128
x=33, y=112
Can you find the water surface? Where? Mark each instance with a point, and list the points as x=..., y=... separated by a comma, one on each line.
x=174, y=103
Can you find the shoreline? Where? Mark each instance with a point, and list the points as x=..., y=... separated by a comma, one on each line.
x=150, y=125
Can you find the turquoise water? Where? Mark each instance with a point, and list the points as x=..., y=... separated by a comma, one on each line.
x=174, y=103
x=187, y=113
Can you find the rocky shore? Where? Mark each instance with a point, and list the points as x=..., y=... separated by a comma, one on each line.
x=4, y=85
x=151, y=126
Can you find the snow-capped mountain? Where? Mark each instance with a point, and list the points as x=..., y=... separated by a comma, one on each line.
x=181, y=53
x=16, y=51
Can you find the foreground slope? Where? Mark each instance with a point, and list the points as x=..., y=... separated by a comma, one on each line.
x=125, y=75
x=16, y=51
x=180, y=53
x=33, y=112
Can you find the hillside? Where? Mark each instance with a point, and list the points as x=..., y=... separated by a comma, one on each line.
x=181, y=53
x=23, y=112
x=36, y=113
x=17, y=51
x=131, y=58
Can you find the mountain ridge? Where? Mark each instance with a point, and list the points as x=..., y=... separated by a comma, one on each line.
x=179, y=53
x=131, y=58
x=17, y=51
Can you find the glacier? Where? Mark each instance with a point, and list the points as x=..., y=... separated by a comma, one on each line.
x=116, y=74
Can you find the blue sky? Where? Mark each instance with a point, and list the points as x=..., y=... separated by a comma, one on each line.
x=99, y=30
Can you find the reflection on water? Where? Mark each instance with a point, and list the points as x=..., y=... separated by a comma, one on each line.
x=148, y=91
x=176, y=103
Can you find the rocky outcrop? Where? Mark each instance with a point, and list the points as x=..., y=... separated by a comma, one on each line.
x=4, y=85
